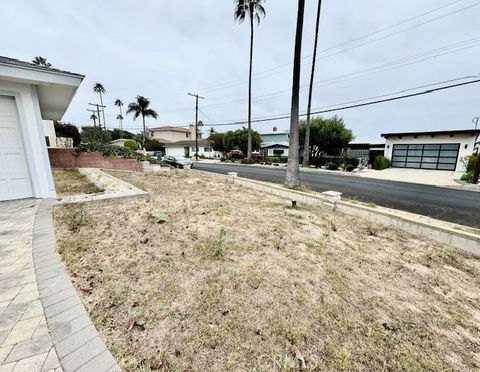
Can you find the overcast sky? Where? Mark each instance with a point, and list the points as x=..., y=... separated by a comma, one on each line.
x=164, y=49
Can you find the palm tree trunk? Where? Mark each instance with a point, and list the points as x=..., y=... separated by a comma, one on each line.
x=144, y=132
x=293, y=169
x=306, y=148
x=103, y=111
x=249, y=141
x=121, y=122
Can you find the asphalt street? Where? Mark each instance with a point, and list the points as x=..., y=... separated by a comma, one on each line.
x=452, y=205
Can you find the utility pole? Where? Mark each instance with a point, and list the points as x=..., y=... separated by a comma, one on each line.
x=98, y=112
x=94, y=117
x=476, y=171
x=196, y=122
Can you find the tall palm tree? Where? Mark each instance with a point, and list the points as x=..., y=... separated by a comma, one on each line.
x=119, y=104
x=141, y=107
x=100, y=89
x=254, y=10
x=292, y=179
x=41, y=61
x=94, y=118
x=306, y=147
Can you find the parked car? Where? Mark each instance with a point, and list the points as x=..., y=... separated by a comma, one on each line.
x=235, y=154
x=177, y=161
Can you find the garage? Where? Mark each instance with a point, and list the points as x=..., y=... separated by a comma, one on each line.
x=14, y=175
x=29, y=94
x=435, y=150
x=426, y=156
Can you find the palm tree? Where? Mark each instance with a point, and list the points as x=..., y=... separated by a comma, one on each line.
x=94, y=118
x=119, y=103
x=41, y=61
x=293, y=170
x=255, y=11
x=100, y=89
x=306, y=147
x=141, y=107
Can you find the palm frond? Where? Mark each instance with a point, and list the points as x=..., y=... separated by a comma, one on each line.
x=150, y=113
x=118, y=102
x=99, y=88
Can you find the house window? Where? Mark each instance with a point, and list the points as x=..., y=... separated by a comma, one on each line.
x=47, y=140
x=278, y=152
x=207, y=149
x=187, y=135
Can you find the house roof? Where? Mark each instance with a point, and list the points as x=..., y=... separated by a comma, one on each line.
x=55, y=88
x=33, y=66
x=201, y=142
x=170, y=128
x=278, y=132
x=433, y=133
x=272, y=144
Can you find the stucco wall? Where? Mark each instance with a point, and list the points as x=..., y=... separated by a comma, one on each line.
x=463, y=140
x=66, y=158
x=31, y=125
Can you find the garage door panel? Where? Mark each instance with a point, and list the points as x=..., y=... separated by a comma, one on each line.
x=15, y=180
x=426, y=156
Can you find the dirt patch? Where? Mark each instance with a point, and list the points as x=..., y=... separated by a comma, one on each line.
x=72, y=182
x=206, y=275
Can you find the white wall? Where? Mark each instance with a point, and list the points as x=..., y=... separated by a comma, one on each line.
x=179, y=151
x=31, y=125
x=462, y=139
x=49, y=130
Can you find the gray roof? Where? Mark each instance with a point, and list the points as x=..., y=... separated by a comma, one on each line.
x=33, y=66
x=433, y=133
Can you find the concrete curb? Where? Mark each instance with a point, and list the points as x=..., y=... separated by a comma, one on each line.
x=76, y=341
x=114, y=188
x=460, y=237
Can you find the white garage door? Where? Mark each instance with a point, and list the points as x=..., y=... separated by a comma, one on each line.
x=14, y=175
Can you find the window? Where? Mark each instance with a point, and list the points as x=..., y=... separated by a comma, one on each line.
x=278, y=152
x=426, y=156
x=187, y=135
x=207, y=149
x=47, y=140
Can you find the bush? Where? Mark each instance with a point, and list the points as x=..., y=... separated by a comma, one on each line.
x=131, y=144
x=111, y=150
x=467, y=176
x=332, y=166
x=381, y=163
x=67, y=130
x=153, y=145
x=472, y=162
x=350, y=168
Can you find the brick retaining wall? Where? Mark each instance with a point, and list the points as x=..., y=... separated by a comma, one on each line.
x=66, y=158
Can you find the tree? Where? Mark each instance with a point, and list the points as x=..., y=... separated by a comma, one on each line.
x=117, y=134
x=216, y=141
x=141, y=107
x=254, y=10
x=95, y=134
x=327, y=136
x=310, y=91
x=119, y=104
x=100, y=89
x=68, y=130
x=41, y=61
x=94, y=118
x=292, y=180
x=131, y=144
x=154, y=145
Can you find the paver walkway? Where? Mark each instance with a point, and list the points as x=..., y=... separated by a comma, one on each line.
x=25, y=342
x=43, y=324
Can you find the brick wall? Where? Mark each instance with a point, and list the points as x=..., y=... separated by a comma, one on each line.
x=65, y=158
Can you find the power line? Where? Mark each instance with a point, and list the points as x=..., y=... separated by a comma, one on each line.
x=347, y=107
x=240, y=81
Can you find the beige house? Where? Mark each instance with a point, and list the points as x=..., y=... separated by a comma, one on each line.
x=168, y=134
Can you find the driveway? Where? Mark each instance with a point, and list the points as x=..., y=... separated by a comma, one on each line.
x=457, y=206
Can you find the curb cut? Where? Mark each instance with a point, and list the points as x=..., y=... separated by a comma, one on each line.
x=76, y=341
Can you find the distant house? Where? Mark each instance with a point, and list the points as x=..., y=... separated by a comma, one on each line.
x=51, y=138
x=436, y=150
x=180, y=141
x=275, y=143
x=30, y=94
x=119, y=142
x=365, y=151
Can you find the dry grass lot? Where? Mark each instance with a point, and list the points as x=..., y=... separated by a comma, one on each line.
x=207, y=276
x=72, y=182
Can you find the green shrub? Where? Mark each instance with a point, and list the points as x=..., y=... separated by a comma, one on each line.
x=332, y=166
x=131, y=144
x=381, y=163
x=111, y=150
x=467, y=176
x=472, y=162
x=154, y=145
x=350, y=168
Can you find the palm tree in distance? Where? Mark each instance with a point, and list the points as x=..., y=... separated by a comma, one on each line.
x=292, y=179
x=100, y=89
x=254, y=10
x=41, y=61
x=306, y=147
x=94, y=118
x=141, y=107
x=119, y=104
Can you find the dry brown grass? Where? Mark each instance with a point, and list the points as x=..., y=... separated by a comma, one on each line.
x=72, y=182
x=206, y=275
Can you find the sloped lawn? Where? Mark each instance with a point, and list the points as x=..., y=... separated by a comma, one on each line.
x=72, y=182
x=208, y=276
